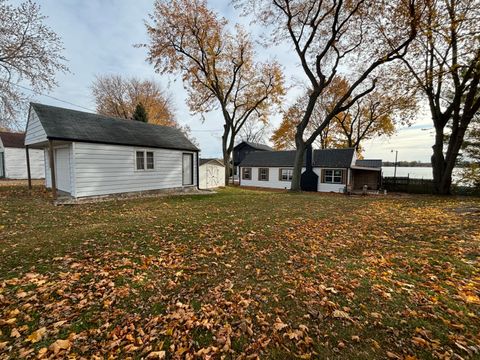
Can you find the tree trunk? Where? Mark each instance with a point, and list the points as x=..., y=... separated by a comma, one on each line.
x=297, y=165
x=226, y=163
x=443, y=165
x=226, y=153
x=438, y=164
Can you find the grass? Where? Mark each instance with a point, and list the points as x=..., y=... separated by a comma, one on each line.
x=241, y=274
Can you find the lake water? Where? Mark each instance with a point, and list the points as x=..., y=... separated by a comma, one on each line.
x=414, y=172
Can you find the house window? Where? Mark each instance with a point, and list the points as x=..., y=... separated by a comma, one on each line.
x=333, y=176
x=150, y=164
x=140, y=160
x=247, y=173
x=263, y=174
x=144, y=160
x=286, y=174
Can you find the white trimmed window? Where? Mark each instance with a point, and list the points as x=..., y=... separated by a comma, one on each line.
x=286, y=174
x=333, y=176
x=144, y=160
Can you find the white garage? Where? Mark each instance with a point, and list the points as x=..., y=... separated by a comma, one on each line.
x=93, y=155
x=13, y=159
x=211, y=173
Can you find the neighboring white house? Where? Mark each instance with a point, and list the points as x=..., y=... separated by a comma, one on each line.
x=211, y=173
x=99, y=155
x=13, y=160
x=330, y=170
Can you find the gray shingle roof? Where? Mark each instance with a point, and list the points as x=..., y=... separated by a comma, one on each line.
x=257, y=146
x=374, y=163
x=335, y=158
x=73, y=125
x=12, y=140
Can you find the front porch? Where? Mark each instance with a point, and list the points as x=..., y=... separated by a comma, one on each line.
x=361, y=176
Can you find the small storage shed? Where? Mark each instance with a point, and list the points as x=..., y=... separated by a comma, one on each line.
x=13, y=159
x=91, y=155
x=211, y=173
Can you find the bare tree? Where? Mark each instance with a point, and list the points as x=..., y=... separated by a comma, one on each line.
x=217, y=66
x=335, y=36
x=444, y=63
x=30, y=54
x=254, y=131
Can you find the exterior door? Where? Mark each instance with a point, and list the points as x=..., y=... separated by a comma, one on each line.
x=2, y=165
x=212, y=176
x=187, y=169
x=62, y=169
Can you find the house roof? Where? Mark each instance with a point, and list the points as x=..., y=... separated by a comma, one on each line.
x=335, y=158
x=12, y=140
x=374, y=163
x=257, y=146
x=66, y=124
x=214, y=160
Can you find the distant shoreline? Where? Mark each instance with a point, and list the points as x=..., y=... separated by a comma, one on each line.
x=406, y=164
x=416, y=164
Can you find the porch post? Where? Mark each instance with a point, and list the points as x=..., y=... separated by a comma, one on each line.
x=51, y=154
x=28, y=168
x=198, y=172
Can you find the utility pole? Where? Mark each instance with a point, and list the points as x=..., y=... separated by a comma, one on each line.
x=395, y=165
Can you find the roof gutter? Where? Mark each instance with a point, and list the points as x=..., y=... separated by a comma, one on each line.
x=120, y=144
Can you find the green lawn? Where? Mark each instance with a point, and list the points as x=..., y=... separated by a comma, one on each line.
x=238, y=275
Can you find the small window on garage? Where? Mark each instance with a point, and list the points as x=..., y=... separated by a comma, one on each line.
x=140, y=160
x=144, y=160
x=150, y=161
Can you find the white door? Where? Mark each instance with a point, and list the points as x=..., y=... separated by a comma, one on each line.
x=187, y=169
x=62, y=169
x=213, y=175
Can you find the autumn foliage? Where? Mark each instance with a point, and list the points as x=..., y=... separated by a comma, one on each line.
x=216, y=64
x=117, y=96
x=374, y=115
x=174, y=278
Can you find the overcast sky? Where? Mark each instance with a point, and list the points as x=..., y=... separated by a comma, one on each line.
x=99, y=35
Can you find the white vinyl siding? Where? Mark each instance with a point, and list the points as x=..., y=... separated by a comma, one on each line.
x=274, y=181
x=35, y=132
x=103, y=169
x=16, y=163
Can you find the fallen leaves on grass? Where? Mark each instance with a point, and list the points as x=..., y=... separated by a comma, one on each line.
x=392, y=279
